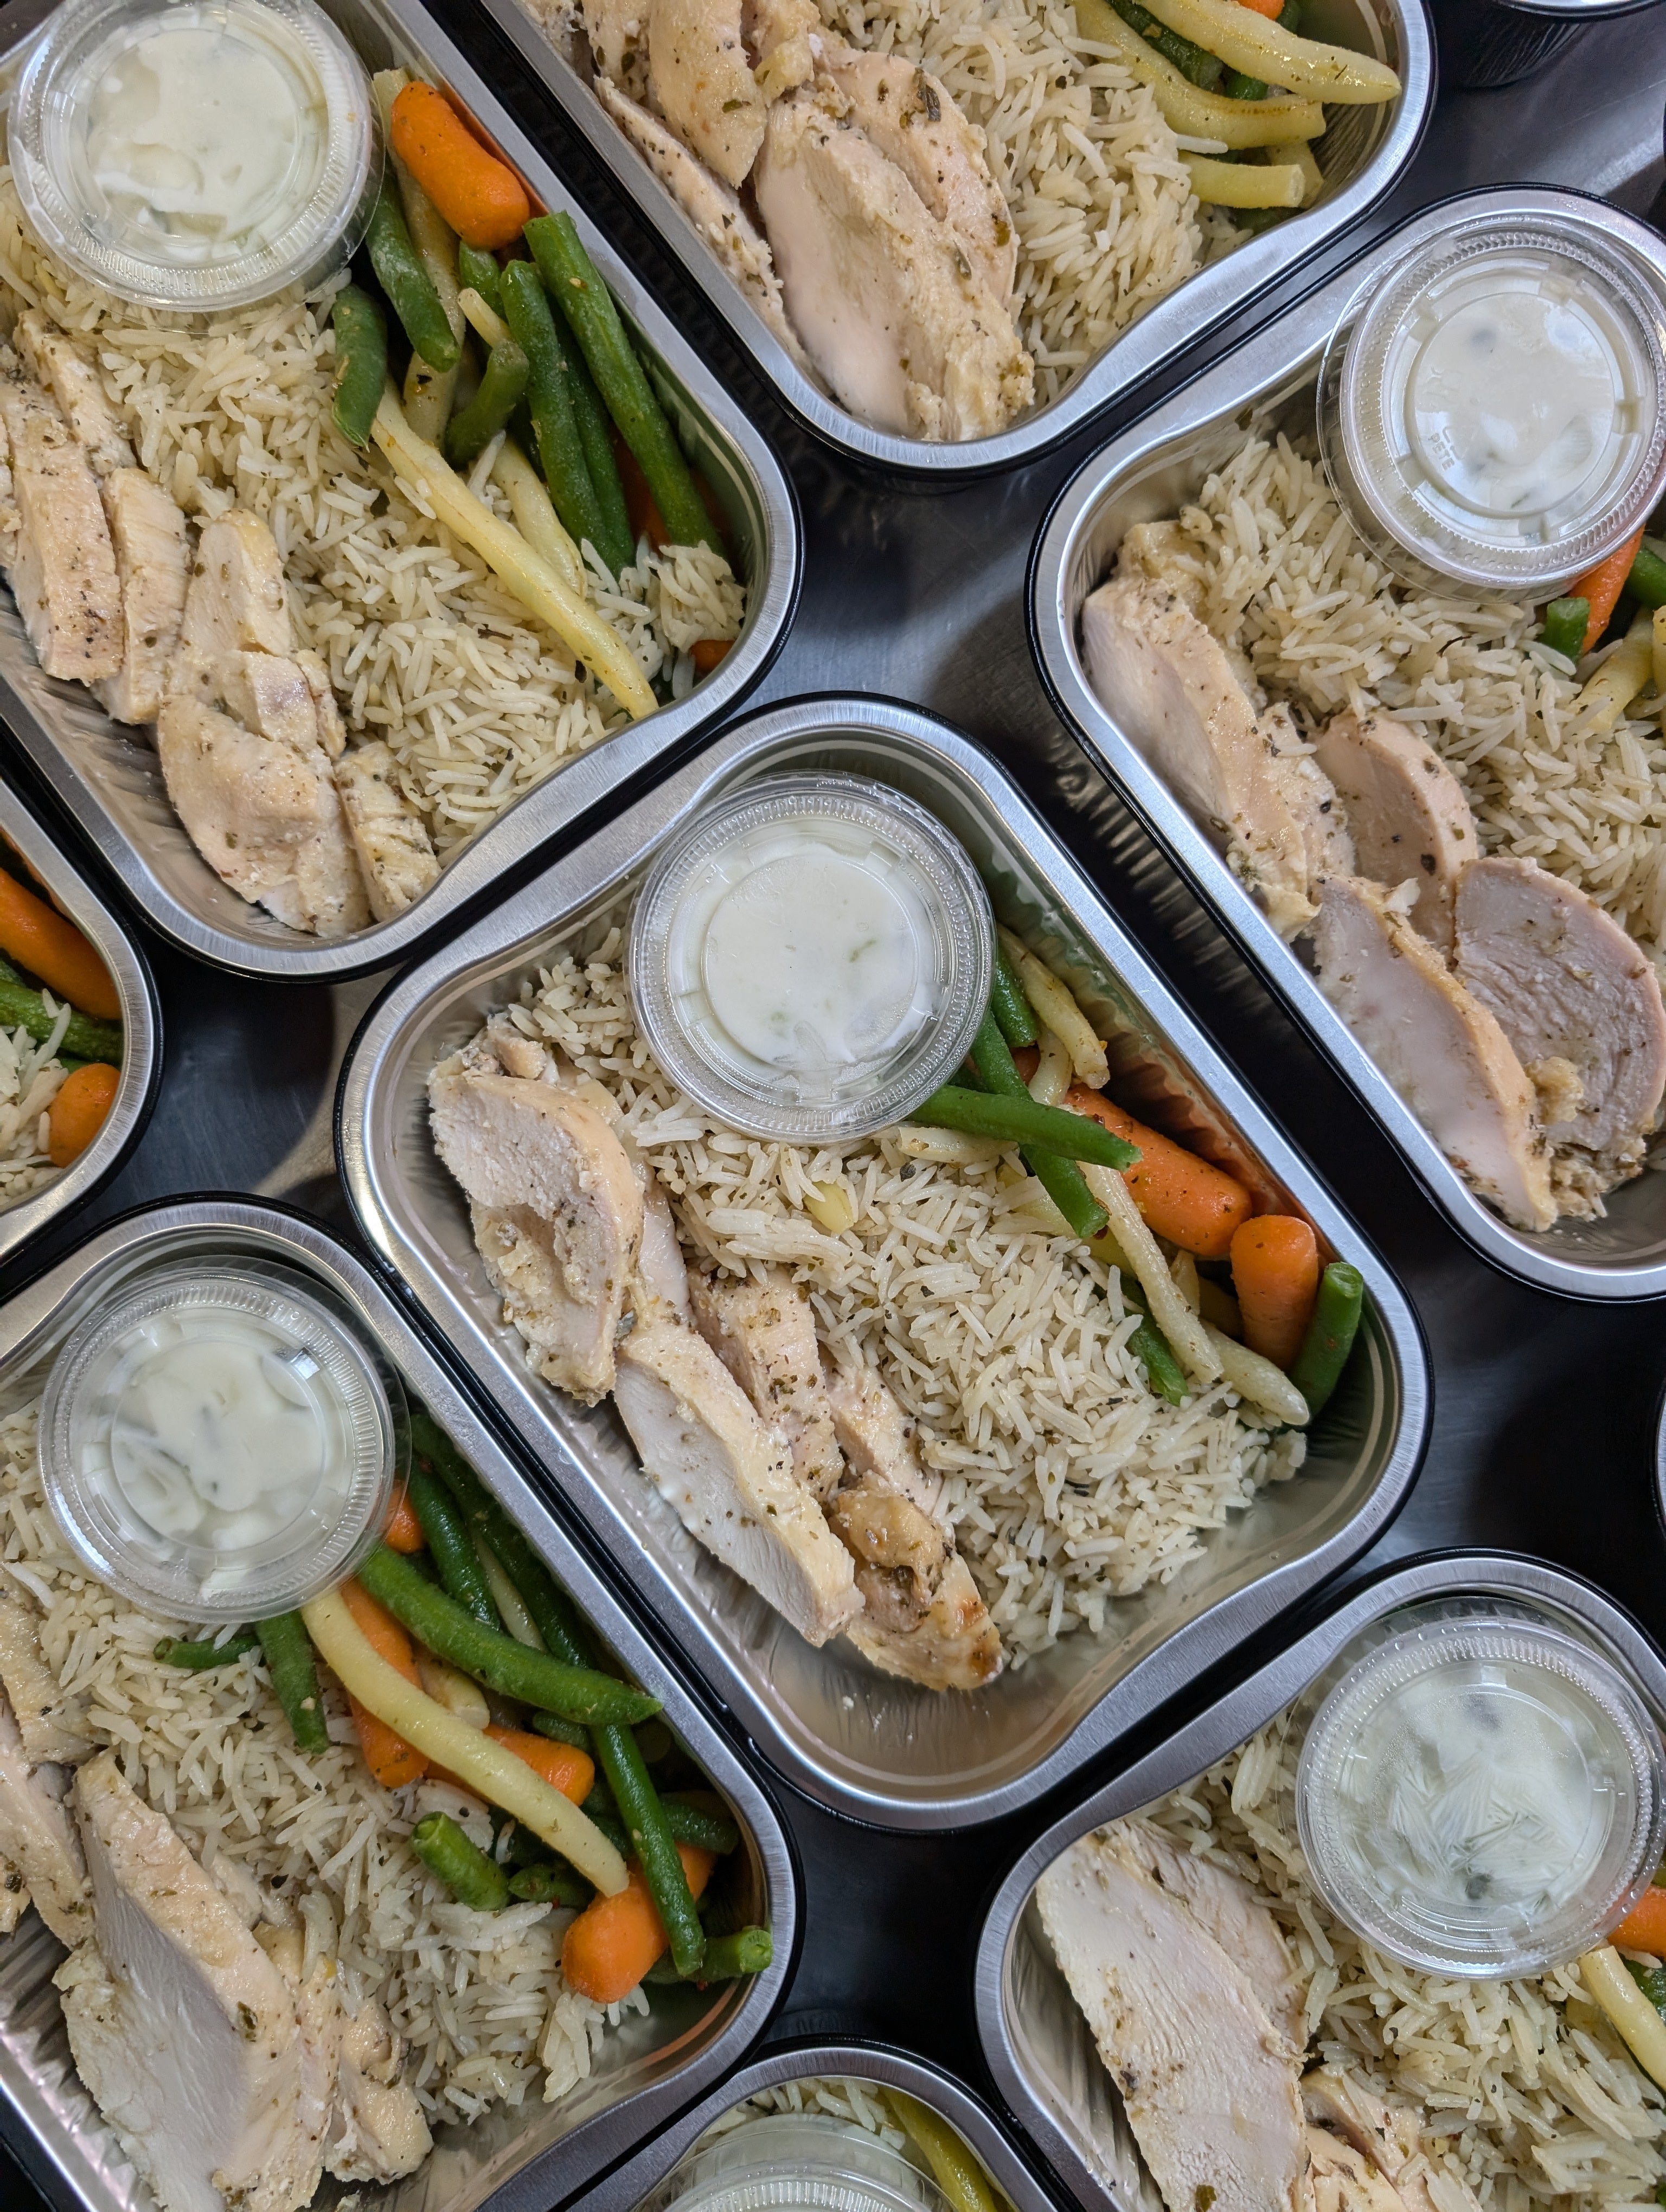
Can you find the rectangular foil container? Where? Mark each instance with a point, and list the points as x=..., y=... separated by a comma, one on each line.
x=624, y=2190
x=141, y=1019
x=1151, y=470
x=107, y=777
x=1035, y=2042
x=518, y=2160
x=1362, y=154
x=864, y=1743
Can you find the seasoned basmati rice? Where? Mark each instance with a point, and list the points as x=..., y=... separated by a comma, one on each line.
x=31, y=1076
x=425, y=648
x=1069, y=1483
x=478, y=1995
x=1527, y=2092
x=841, y=2096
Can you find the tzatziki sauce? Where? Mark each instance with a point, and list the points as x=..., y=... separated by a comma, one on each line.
x=1475, y=1790
x=219, y=1441
x=204, y=133
x=1492, y=409
x=811, y=958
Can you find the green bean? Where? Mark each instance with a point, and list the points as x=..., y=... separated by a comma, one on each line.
x=22, y=1008
x=361, y=363
x=513, y=1670
x=1009, y=1006
x=746, y=1951
x=1647, y=581
x=553, y=406
x=651, y=1844
x=1020, y=1120
x=1196, y=65
x=459, y=1863
x=642, y=1830
x=560, y=1731
x=293, y=1673
x=1237, y=85
x=1565, y=626
x=461, y=1575
x=472, y=428
x=1061, y=1179
x=608, y=1821
x=620, y=378
x=1148, y=1343
x=1290, y=15
x=552, y=1609
x=1651, y=1980
x=478, y=273
x=546, y=1883
x=596, y=436
x=692, y=1822
x=1330, y=1334
x=412, y=292
x=175, y=1652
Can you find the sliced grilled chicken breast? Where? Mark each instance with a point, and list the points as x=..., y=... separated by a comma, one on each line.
x=56, y=363
x=1406, y=811
x=62, y=565
x=393, y=846
x=37, y=1837
x=702, y=81
x=765, y=1334
x=153, y=559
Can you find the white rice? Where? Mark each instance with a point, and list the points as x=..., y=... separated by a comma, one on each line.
x=479, y=1996
x=31, y=1076
x=425, y=648
x=1283, y=576
x=840, y=2096
x=1099, y=195
x=1527, y=2092
x=1069, y=1483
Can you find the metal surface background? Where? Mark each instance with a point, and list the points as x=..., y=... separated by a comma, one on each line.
x=1544, y=1410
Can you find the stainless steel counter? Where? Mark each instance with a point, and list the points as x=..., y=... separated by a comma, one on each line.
x=1542, y=1438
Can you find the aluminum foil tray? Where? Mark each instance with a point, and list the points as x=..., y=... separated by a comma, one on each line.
x=107, y=777
x=1151, y=470
x=142, y=1028
x=1362, y=154
x=645, y=2072
x=864, y=1743
x=1037, y=2043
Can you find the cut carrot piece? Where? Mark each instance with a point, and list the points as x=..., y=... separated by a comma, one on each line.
x=1275, y=1273
x=1193, y=1205
x=1643, y=1927
x=1271, y=9
x=41, y=941
x=615, y=1940
x=1601, y=587
x=388, y=1756
x=402, y=1531
x=563, y=1766
x=480, y=196
x=77, y=1114
x=707, y=652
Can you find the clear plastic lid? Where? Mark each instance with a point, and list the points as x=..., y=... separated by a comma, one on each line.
x=217, y=1442
x=196, y=154
x=807, y=2160
x=811, y=957
x=1482, y=1795
x=1493, y=410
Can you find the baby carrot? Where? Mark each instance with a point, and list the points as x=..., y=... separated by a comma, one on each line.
x=1601, y=586
x=402, y=1531
x=38, y=938
x=481, y=198
x=1275, y=1273
x=561, y=1765
x=76, y=1114
x=388, y=1756
x=1643, y=1927
x=615, y=1940
x=1193, y=1205
x=1271, y=9
x=707, y=652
